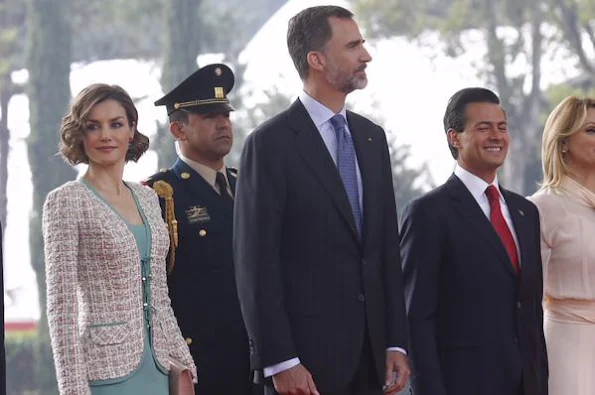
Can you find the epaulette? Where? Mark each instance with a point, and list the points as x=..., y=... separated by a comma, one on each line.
x=166, y=192
x=162, y=174
x=233, y=171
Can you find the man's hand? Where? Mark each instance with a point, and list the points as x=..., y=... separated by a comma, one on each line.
x=295, y=381
x=397, y=372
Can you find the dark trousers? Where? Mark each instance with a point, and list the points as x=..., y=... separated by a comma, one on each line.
x=363, y=382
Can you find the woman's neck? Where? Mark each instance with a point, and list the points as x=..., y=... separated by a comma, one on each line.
x=584, y=177
x=107, y=180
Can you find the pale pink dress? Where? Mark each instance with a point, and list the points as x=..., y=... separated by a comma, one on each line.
x=567, y=217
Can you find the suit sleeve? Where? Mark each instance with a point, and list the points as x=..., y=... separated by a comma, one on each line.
x=61, y=246
x=259, y=204
x=393, y=277
x=421, y=251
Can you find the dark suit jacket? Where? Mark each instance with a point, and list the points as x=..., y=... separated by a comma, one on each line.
x=202, y=284
x=2, y=351
x=308, y=286
x=476, y=328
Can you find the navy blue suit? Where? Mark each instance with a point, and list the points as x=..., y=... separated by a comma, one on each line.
x=476, y=327
x=202, y=283
x=309, y=286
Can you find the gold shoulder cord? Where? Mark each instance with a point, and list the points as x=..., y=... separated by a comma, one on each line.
x=166, y=192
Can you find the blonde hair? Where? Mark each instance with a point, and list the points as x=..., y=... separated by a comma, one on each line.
x=563, y=122
x=72, y=128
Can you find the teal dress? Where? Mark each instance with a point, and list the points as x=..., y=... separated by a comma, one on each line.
x=149, y=378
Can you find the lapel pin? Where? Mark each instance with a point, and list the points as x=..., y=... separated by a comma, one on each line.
x=185, y=175
x=522, y=213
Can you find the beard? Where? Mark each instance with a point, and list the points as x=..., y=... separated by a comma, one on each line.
x=343, y=80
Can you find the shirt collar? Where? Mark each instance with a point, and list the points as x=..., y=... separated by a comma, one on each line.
x=474, y=184
x=319, y=113
x=205, y=172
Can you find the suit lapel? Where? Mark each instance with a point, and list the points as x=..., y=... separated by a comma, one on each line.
x=365, y=159
x=231, y=178
x=519, y=222
x=195, y=183
x=469, y=210
x=312, y=149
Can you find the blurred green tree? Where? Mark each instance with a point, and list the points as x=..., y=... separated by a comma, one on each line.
x=515, y=32
x=10, y=29
x=48, y=89
x=182, y=45
x=197, y=27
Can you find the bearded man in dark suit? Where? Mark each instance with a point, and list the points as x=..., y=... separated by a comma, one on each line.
x=315, y=229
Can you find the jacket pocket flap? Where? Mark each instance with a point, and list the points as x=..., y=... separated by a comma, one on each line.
x=105, y=334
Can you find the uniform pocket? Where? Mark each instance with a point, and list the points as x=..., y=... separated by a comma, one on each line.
x=110, y=333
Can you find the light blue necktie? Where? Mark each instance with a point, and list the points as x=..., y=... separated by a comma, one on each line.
x=347, y=167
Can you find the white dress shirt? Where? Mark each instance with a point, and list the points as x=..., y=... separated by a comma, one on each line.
x=321, y=116
x=209, y=175
x=478, y=187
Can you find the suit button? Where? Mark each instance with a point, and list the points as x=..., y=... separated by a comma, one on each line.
x=516, y=339
x=189, y=340
x=361, y=297
x=519, y=304
x=202, y=233
x=364, y=262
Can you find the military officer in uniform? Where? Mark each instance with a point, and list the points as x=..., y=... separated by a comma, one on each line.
x=196, y=197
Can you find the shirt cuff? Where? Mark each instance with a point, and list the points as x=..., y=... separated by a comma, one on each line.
x=399, y=349
x=281, y=367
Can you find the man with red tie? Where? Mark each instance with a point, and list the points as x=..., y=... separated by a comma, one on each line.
x=472, y=268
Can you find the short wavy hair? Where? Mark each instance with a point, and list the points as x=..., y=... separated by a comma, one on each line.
x=72, y=131
x=563, y=122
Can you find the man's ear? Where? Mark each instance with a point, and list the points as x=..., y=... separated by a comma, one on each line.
x=316, y=60
x=454, y=138
x=175, y=128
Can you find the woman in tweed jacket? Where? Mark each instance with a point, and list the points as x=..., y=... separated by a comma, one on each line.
x=111, y=324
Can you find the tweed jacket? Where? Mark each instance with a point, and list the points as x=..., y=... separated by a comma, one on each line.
x=94, y=289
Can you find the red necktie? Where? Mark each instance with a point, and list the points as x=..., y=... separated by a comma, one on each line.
x=501, y=227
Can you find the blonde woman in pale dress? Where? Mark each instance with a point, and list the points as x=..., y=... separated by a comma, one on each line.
x=566, y=203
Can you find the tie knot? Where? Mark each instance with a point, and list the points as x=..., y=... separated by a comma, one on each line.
x=338, y=121
x=492, y=194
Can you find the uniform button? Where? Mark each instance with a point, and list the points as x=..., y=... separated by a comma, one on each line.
x=361, y=297
x=144, y=304
x=519, y=304
x=144, y=279
x=516, y=339
x=202, y=233
x=364, y=262
x=189, y=340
